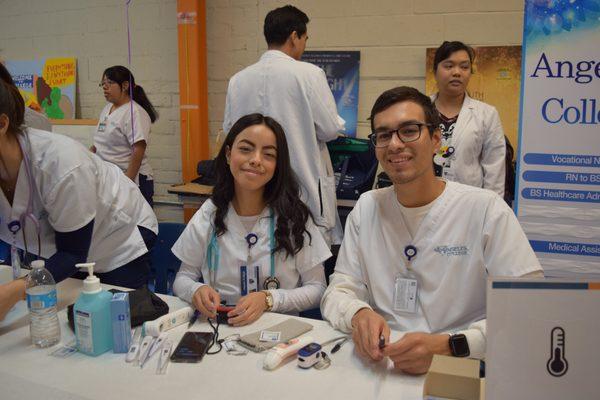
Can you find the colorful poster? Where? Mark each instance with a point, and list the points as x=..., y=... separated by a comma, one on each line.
x=496, y=80
x=47, y=85
x=558, y=188
x=342, y=70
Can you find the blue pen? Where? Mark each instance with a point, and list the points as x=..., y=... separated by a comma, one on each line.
x=194, y=318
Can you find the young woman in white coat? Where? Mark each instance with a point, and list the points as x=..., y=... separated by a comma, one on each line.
x=473, y=147
x=254, y=242
x=123, y=131
x=62, y=203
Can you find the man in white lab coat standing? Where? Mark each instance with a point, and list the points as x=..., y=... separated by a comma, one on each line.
x=297, y=95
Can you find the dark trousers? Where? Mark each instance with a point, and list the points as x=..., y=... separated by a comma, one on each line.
x=135, y=273
x=147, y=188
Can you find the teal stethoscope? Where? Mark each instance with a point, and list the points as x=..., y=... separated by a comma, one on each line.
x=213, y=255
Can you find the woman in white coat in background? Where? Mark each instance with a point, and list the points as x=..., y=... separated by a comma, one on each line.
x=473, y=147
x=254, y=242
x=123, y=131
x=62, y=203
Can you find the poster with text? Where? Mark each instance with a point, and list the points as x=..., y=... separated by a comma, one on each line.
x=558, y=188
x=341, y=68
x=47, y=85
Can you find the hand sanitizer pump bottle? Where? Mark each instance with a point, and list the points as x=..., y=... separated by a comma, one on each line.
x=91, y=313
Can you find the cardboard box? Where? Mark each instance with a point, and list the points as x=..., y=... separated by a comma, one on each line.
x=453, y=378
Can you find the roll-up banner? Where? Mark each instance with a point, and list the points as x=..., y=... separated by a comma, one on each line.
x=558, y=188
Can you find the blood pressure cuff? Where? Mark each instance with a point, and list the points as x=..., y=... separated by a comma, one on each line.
x=143, y=306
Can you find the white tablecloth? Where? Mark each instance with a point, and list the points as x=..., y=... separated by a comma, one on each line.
x=29, y=373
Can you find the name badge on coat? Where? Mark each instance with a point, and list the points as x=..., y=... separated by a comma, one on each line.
x=406, y=292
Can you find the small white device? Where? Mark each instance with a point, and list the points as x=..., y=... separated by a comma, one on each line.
x=157, y=345
x=163, y=359
x=145, y=347
x=283, y=351
x=309, y=355
x=132, y=354
x=168, y=321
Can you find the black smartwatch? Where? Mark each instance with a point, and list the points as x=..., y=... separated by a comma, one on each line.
x=459, y=347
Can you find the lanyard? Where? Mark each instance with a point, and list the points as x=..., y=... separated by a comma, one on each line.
x=213, y=253
x=19, y=225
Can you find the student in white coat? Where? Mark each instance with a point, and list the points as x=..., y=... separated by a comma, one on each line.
x=60, y=202
x=254, y=242
x=473, y=147
x=297, y=95
x=123, y=131
x=416, y=255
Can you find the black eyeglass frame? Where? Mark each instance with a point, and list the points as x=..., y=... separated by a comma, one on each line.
x=373, y=136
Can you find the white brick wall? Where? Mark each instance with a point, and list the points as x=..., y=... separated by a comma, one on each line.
x=94, y=31
x=391, y=34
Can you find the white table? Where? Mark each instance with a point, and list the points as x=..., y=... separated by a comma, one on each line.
x=29, y=373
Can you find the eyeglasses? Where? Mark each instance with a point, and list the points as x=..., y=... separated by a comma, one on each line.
x=406, y=133
x=106, y=83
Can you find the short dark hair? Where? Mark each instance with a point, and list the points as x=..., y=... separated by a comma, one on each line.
x=447, y=48
x=401, y=94
x=281, y=22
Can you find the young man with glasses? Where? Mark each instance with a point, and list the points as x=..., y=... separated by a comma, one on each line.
x=416, y=255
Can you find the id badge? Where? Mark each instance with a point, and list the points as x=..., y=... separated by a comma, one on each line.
x=102, y=127
x=448, y=174
x=15, y=261
x=249, y=279
x=406, y=292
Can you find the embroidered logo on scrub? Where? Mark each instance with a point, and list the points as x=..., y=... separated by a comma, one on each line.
x=452, y=250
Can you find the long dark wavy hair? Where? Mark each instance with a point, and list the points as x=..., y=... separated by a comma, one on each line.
x=120, y=74
x=282, y=192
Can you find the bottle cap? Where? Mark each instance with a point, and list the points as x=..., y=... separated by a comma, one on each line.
x=91, y=284
x=38, y=264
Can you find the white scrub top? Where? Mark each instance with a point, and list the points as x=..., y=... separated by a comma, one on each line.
x=71, y=186
x=479, y=147
x=114, y=138
x=468, y=234
x=296, y=94
x=191, y=248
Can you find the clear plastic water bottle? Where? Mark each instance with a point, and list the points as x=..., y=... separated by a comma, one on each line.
x=41, y=300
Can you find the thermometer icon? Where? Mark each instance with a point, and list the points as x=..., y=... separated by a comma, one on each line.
x=557, y=364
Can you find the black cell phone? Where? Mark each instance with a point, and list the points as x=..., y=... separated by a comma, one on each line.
x=192, y=347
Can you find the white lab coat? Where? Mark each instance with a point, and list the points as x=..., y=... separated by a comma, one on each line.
x=72, y=186
x=114, y=138
x=468, y=234
x=297, y=95
x=291, y=271
x=479, y=147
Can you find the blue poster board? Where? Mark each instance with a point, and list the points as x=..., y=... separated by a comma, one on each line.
x=342, y=70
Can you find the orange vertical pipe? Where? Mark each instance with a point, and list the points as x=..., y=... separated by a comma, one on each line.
x=193, y=87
